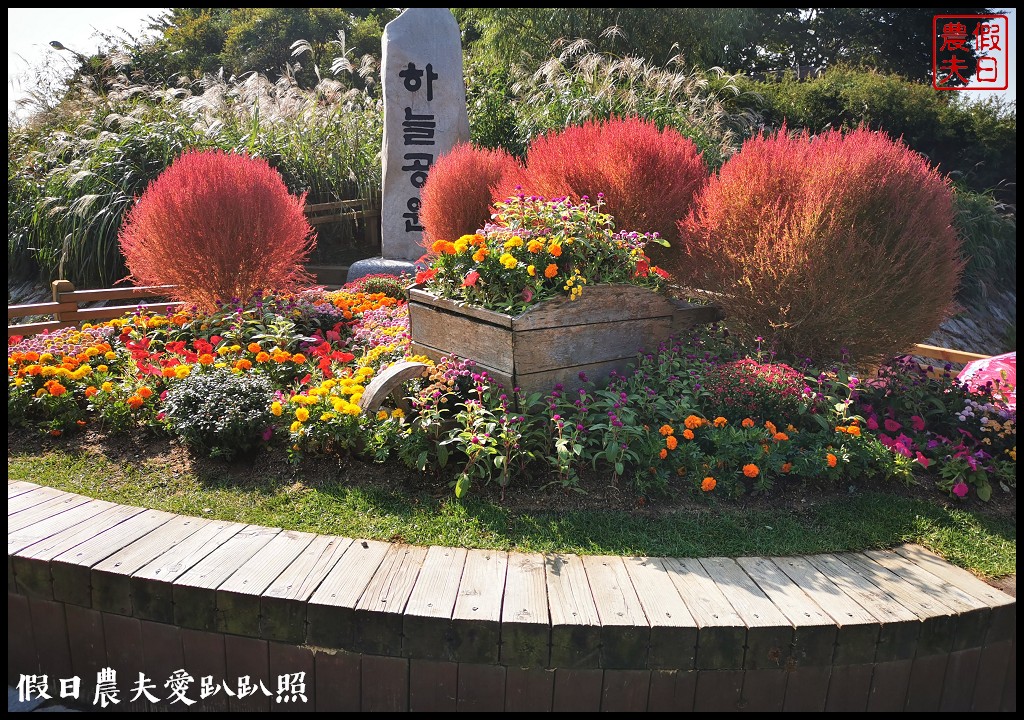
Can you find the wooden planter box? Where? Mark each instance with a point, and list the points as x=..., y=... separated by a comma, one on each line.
x=555, y=340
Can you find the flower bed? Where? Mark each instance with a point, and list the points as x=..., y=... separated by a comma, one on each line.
x=286, y=374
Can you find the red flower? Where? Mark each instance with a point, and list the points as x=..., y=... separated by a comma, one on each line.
x=471, y=277
x=425, y=275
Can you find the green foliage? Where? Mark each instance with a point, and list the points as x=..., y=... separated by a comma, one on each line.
x=988, y=230
x=218, y=412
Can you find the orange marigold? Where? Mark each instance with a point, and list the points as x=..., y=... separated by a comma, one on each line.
x=551, y=270
x=708, y=484
x=720, y=422
x=671, y=443
x=780, y=436
x=786, y=467
x=663, y=453
x=263, y=357
x=693, y=422
x=206, y=359
x=666, y=430
x=56, y=389
x=771, y=427
x=751, y=470
x=747, y=423
x=831, y=459
x=253, y=347
x=144, y=392
x=688, y=434
x=135, y=402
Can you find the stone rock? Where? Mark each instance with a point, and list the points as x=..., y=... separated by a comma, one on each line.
x=424, y=117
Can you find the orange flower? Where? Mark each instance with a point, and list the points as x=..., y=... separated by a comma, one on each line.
x=688, y=434
x=551, y=270
x=747, y=423
x=253, y=347
x=263, y=357
x=720, y=422
x=56, y=389
x=779, y=437
x=90, y=391
x=480, y=254
x=693, y=422
x=663, y=454
x=144, y=392
x=853, y=430
x=708, y=484
x=671, y=443
x=751, y=470
x=167, y=372
x=832, y=460
x=56, y=433
x=771, y=427
x=786, y=467
x=298, y=358
x=206, y=359
x=135, y=402
x=666, y=430
x=243, y=364
x=555, y=249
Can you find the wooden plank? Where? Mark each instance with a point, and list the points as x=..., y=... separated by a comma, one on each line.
x=427, y=620
x=856, y=629
x=418, y=296
x=962, y=667
x=769, y=631
x=996, y=660
x=296, y=663
x=32, y=565
x=807, y=689
x=525, y=623
x=29, y=496
x=43, y=308
x=889, y=684
x=625, y=632
x=19, y=487
x=721, y=633
x=337, y=681
x=85, y=638
x=765, y=690
x=814, y=636
x=575, y=622
x=283, y=604
x=433, y=686
x=848, y=688
x=625, y=690
x=379, y=612
x=248, y=658
x=945, y=354
x=718, y=691
x=899, y=627
x=238, y=597
x=529, y=689
x=971, y=614
x=205, y=654
x=22, y=645
x=604, y=303
x=954, y=576
x=125, y=293
x=53, y=523
x=123, y=639
x=152, y=584
x=27, y=329
x=476, y=617
x=47, y=626
x=463, y=336
x=673, y=643
x=481, y=688
x=385, y=684
x=577, y=690
x=672, y=691
x=501, y=377
x=26, y=519
x=194, y=592
x=116, y=311
x=331, y=607
x=927, y=677
x=938, y=620
x=549, y=349
x=71, y=569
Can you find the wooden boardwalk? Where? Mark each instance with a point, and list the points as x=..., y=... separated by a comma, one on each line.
x=380, y=626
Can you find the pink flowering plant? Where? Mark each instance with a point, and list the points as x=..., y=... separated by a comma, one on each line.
x=537, y=249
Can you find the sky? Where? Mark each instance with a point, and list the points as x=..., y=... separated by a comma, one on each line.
x=30, y=30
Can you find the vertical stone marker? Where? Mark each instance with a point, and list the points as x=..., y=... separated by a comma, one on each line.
x=424, y=117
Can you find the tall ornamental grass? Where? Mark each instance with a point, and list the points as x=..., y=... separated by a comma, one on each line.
x=836, y=243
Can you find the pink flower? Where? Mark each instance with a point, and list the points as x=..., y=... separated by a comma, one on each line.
x=960, y=489
x=527, y=294
x=872, y=422
x=922, y=459
x=471, y=277
x=917, y=422
x=891, y=425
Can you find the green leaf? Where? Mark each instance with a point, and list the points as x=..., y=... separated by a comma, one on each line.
x=462, y=485
x=985, y=491
x=442, y=455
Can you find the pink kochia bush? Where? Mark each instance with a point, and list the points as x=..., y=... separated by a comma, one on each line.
x=840, y=243
x=456, y=198
x=647, y=176
x=217, y=226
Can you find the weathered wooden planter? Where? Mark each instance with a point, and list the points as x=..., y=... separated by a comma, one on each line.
x=554, y=341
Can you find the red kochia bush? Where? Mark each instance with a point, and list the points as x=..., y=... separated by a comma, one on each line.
x=824, y=243
x=456, y=198
x=218, y=226
x=648, y=176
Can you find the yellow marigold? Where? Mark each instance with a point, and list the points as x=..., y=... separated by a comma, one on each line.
x=693, y=422
x=101, y=368
x=688, y=434
x=671, y=443
x=302, y=414
x=107, y=387
x=551, y=270
x=398, y=413
x=666, y=430
x=747, y=423
x=481, y=254
x=276, y=408
x=531, y=270
x=382, y=414
x=513, y=242
x=708, y=484
x=831, y=460
x=295, y=427
x=462, y=244
x=535, y=246
x=110, y=355
x=751, y=470
x=182, y=371
x=508, y=261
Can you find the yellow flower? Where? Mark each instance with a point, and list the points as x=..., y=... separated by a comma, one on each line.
x=382, y=414
x=508, y=261
x=513, y=242
x=275, y=407
x=531, y=270
x=302, y=414
x=535, y=246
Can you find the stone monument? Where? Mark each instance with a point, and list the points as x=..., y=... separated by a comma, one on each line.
x=424, y=117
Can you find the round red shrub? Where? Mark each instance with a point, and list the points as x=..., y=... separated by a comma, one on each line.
x=827, y=245
x=217, y=226
x=456, y=198
x=647, y=176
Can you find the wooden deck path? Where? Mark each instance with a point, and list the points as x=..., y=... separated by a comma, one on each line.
x=380, y=626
